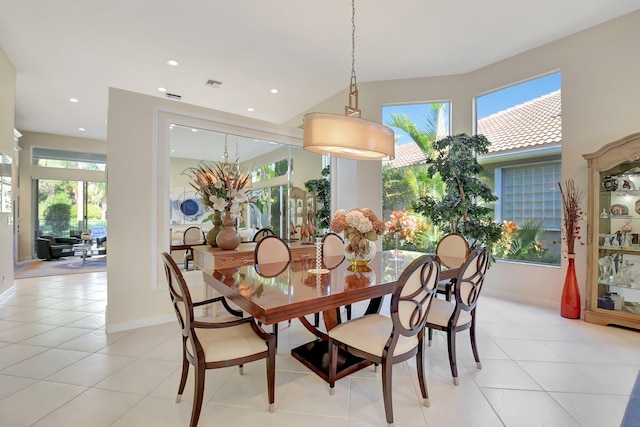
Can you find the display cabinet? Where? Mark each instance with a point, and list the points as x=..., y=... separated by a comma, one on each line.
x=613, y=225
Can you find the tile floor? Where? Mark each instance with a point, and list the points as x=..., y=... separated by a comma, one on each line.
x=58, y=367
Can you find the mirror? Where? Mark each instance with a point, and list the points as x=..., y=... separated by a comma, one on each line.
x=278, y=173
x=6, y=197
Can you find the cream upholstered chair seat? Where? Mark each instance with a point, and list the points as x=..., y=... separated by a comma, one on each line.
x=239, y=341
x=370, y=334
x=215, y=343
x=441, y=311
x=389, y=340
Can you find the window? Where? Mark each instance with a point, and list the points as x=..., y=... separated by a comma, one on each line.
x=524, y=125
x=404, y=179
x=51, y=158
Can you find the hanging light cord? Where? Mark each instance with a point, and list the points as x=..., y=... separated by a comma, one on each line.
x=352, y=109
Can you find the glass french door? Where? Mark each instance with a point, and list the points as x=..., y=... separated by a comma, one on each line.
x=64, y=208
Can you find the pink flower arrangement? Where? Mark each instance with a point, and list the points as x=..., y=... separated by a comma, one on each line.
x=358, y=225
x=403, y=224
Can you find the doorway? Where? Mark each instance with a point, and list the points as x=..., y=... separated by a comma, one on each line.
x=64, y=208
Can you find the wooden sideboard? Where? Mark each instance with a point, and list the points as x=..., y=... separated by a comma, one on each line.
x=208, y=258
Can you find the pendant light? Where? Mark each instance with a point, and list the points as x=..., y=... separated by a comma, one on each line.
x=348, y=136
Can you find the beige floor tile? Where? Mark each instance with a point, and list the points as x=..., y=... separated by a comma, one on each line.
x=16, y=353
x=44, y=364
x=523, y=408
x=90, y=370
x=537, y=366
x=593, y=410
x=94, y=407
x=35, y=401
x=140, y=376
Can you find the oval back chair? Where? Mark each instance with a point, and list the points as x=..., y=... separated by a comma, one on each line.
x=460, y=314
x=452, y=250
x=387, y=341
x=207, y=344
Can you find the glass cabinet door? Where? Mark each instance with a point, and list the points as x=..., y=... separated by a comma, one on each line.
x=613, y=257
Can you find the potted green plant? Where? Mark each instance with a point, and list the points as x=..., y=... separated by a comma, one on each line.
x=463, y=206
x=322, y=189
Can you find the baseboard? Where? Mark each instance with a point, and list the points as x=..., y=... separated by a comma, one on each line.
x=523, y=299
x=140, y=323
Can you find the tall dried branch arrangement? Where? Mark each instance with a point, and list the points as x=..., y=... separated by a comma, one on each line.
x=572, y=212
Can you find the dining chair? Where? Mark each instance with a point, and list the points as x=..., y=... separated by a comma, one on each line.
x=272, y=250
x=262, y=233
x=209, y=344
x=389, y=340
x=332, y=256
x=460, y=314
x=191, y=236
x=452, y=250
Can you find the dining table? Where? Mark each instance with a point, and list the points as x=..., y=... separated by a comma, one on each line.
x=277, y=292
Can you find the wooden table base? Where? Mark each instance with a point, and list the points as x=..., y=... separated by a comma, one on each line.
x=315, y=356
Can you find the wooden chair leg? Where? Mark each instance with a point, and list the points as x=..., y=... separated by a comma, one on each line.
x=197, y=395
x=348, y=307
x=316, y=319
x=387, y=370
x=271, y=373
x=430, y=333
x=420, y=365
x=451, y=346
x=275, y=333
x=333, y=366
x=474, y=348
x=185, y=372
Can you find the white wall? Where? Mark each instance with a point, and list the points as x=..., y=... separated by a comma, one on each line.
x=7, y=114
x=138, y=182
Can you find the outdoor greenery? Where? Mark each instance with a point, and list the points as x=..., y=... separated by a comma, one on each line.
x=322, y=188
x=523, y=243
x=58, y=202
x=463, y=206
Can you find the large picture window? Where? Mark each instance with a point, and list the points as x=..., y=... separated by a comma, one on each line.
x=523, y=124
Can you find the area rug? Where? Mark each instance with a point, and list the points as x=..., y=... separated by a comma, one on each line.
x=39, y=268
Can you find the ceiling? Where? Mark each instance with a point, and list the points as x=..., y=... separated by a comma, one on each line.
x=64, y=49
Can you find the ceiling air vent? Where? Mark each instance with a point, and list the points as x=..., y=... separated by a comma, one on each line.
x=213, y=83
x=173, y=96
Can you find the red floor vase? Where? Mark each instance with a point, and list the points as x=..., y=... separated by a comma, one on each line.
x=570, y=305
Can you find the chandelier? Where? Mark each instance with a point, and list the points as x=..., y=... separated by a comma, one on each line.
x=348, y=136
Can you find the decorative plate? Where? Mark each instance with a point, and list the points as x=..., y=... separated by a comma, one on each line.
x=625, y=185
x=619, y=210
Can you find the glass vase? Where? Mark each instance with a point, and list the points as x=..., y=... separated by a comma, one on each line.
x=359, y=251
x=570, y=303
x=228, y=238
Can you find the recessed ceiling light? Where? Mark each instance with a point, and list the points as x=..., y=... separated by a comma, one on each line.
x=171, y=126
x=274, y=90
x=81, y=129
x=172, y=62
x=73, y=100
x=194, y=130
x=250, y=109
x=161, y=89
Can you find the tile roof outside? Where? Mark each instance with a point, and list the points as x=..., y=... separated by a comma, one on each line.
x=534, y=123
